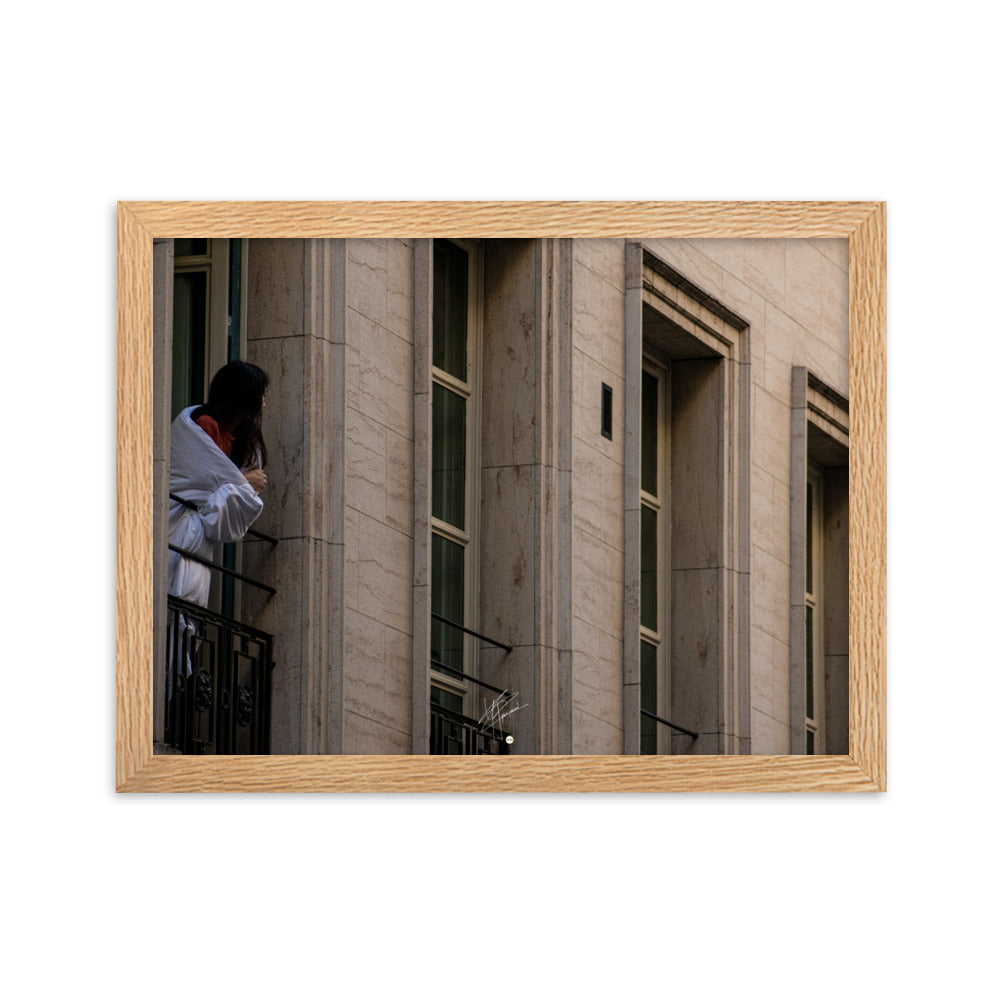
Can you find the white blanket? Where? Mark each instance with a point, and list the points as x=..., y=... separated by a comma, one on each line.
x=201, y=473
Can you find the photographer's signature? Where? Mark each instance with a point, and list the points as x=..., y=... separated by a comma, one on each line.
x=502, y=707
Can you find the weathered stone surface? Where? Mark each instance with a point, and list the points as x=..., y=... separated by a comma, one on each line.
x=363, y=735
x=769, y=593
x=553, y=489
x=767, y=734
x=507, y=585
x=764, y=269
x=805, y=269
x=384, y=571
x=385, y=374
x=367, y=279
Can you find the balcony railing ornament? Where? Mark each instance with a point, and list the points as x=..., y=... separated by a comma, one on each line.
x=244, y=706
x=218, y=682
x=204, y=691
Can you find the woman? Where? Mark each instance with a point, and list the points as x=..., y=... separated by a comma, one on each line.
x=217, y=459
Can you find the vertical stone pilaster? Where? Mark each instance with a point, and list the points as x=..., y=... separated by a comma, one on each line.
x=563, y=507
x=553, y=457
x=517, y=537
x=544, y=666
x=323, y=494
x=797, y=571
x=423, y=313
x=742, y=540
x=633, y=402
x=295, y=331
x=734, y=708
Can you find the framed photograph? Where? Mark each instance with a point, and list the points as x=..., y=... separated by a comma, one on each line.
x=501, y=496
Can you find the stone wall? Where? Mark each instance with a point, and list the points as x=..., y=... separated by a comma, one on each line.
x=335, y=324
x=793, y=296
x=598, y=498
x=378, y=497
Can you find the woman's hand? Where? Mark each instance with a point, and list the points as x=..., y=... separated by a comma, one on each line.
x=257, y=478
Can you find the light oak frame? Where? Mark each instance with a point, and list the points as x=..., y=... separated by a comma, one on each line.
x=862, y=223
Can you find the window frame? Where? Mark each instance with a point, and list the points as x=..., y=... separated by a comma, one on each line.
x=468, y=537
x=659, y=639
x=815, y=723
x=214, y=264
x=223, y=343
x=820, y=450
x=707, y=344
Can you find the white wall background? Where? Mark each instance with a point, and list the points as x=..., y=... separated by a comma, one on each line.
x=682, y=896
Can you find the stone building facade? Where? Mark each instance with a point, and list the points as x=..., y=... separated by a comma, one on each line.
x=620, y=466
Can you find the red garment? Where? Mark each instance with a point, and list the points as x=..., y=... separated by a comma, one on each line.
x=222, y=438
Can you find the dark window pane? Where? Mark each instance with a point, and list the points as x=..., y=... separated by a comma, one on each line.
x=190, y=330
x=451, y=308
x=190, y=248
x=648, y=697
x=448, y=600
x=446, y=699
x=650, y=427
x=448, y=457
x=809, y=538
x=235, y=298
x=810, y=664
x=810, y=742
x=647, y=569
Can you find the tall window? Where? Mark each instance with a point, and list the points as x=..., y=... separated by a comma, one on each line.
x=815, y=680
x=454, y=468
x=819, y=656
x=687, y=386
x=654, y=649
x=208, y=315
x=208, y=331
x=192, y=269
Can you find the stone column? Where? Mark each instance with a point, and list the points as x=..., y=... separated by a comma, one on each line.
x=797, y=570
x=295, y=332
x=633, y=401
x=423, y=311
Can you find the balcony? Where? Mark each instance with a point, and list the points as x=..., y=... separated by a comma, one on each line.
x=452, y=733
x=218, y=683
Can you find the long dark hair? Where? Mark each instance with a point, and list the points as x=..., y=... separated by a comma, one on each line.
x=236, y=403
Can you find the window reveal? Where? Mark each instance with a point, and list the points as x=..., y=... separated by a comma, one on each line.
x=654, y=516
x=454, y=450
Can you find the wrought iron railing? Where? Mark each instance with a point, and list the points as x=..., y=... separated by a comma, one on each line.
x=664, y=722
x=218, y=683
x=468, y=631
x=227, y=571
x=250, y=531
x=647, y=738
x=452, y=733
x=218, y=669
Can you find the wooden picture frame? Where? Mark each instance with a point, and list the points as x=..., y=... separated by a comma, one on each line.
x=862, y=769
